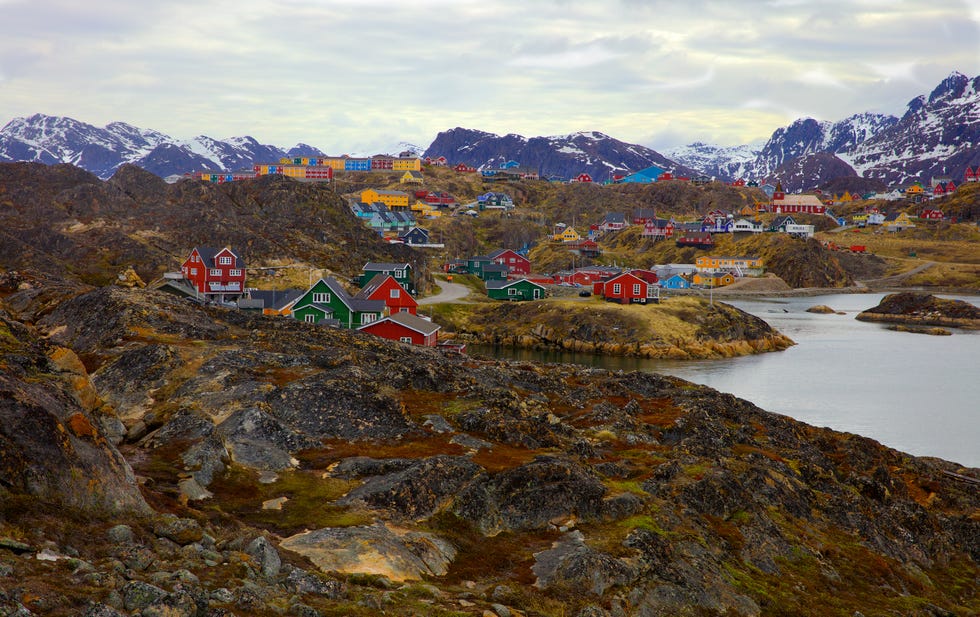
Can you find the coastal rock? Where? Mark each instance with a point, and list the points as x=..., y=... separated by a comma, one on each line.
x=821, y=309
x=923, y=309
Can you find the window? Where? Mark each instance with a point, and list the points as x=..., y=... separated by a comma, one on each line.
x=224, y=261
x=215, y=272
x=368, y=318
x=617, y=289
x=399, y=274
x=193, y=271
x=403, y=309
x=511, y=292
x=309, y=318
x=636, y=289
x=396, y=293
x=321, y=298
x=405, y=339
x=234, y=272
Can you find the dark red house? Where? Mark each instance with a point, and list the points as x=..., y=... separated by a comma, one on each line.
x=515, y=262
x=406, y=328
x=626, y=288
x=931, y=214
x=216, y=274
x=582, y=177
x=697, y=239
x=385, y=287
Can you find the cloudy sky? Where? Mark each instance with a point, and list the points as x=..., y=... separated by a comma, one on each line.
x=355, y=75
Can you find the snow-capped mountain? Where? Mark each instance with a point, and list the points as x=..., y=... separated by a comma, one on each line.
x=561, y=156
x=727, y=162
x=51, y=140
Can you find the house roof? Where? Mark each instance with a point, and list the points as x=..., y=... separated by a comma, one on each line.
x=275, y=298
x=499, y=252
x=503, y=284
x=495, y=268
x=208, y=253
x=358, y=305
x=799, y=200
x=381, y=266
x=412, y=322
x=614, y=217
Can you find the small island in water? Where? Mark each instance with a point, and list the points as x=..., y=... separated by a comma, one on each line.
x=923, y=309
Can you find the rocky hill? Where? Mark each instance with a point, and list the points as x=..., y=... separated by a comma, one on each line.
x=308, y=471
x=63, y=220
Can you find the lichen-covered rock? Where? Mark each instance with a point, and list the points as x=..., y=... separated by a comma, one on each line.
x=571, y=564
x=180, y=530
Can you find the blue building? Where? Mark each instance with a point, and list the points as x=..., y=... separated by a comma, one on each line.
x=645, y=176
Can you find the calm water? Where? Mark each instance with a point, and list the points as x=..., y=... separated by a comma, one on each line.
x=914, y=392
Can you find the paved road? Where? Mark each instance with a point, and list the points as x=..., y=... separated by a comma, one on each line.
x=448, y=292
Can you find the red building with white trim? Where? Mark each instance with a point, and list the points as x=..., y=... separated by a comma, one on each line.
x=216, y=274
x=515, y=262
x=626, y=288
x=405, y=328
x=384, y=287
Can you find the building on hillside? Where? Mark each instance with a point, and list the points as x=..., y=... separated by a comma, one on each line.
x=463, y=168
x=384, y=287
x=931, y=214
x=747, y=225
x=405, y=328
x=215, y=274
x=476, y=263
x=781, y=203
x=970, y=175
x=647, y=175
x=898, y=221
x=516, y=263
x=515, y=290
x=642, y=215
x=564, y=233
x=586, y=275
x=326, y=302
x=658, y=229
x=416, y=236
x=493, y=200
x=677, y=281
x=740, y=266
x=392, y=199
x=584, y=248
x=613, y=221
x=269, y=301
x=713, y=279
x=412, y=177
x=697, y=239
x=627, y=288
x=582, y=177
x=493, y=272
x=402, y=273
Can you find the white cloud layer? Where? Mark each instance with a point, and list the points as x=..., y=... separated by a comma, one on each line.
x=345, y=75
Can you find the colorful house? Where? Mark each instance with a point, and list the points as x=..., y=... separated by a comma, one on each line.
x=915, y=193
x=582, y=177
x=495, y=201
x=392, y=199
x=412, y=177
x=402, y=272
x=697, y=239
x=515, y=262
x=270, y=301
x=384, y=287
x=970, y=175
x=405, y=328
x=931, y=214
x=463, y=168
x=713, y=279
x=642, y=215
x=328, y=303
x=494, y=272
x=646, y=175
x=658, y=229
x=563, y=233
x=627, y=288
x=781, y=203
x=476, y=263
x=518, y=289
x=678, y=281
x=715, y=262
x=613, y=221
x=216, y=274
x=415, y=236
x=747, y=225
x=897, y=222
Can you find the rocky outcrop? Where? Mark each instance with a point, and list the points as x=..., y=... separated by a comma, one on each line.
x=923, y=309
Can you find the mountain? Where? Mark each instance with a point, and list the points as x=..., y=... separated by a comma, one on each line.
x=101, y=151
x=727, y=162
x=800, y=172
x=563, y=156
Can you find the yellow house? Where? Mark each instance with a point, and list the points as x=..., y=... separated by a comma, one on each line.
x=712, y=262
x=712, y=279
x=412, y=177
x=567, y=235
x=392, y=199
x=426, y=210
x=748, y=210
x=898, y=222
x=406, y=164
x=336, y=162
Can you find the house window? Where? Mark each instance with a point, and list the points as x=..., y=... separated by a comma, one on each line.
x=405, y=339
x=309, y=318
x=368, y=318
x=399, y=274
x=321, y=298
x=234, y=273
x=215, y=272
x=511, y=292
x=617, y=289
x=636, y=289
x=224, y=261
x=403, y=309
x=396, y=293
x=193, y=271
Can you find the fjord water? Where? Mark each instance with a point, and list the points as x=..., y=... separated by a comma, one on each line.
x=914, y=392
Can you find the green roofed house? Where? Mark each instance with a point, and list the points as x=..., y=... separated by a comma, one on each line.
x=400, y=272
x=328, y=303
x=518, y=289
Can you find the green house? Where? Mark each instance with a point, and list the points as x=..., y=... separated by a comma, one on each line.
x=475, y=264
x=328, y=303
x=519, y=289
x=400, y=272
x=494, y=272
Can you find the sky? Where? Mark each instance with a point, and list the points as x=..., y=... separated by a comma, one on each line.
x=358, y=75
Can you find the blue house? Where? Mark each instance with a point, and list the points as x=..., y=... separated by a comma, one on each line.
x=415, y=236
x=644, y=176
x=678, y=281
x=510, y=165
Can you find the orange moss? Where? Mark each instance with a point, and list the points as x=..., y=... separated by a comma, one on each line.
x=81, y=427
x=334, y=450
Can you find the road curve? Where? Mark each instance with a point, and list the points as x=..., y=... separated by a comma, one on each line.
x=448, y=292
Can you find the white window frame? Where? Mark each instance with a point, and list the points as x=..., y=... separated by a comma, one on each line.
x=320, y=297
x=405, y=339
x=636, y=289
x=214, y=272
x=224, y=260
x=193, y=271
x=511, y=291
x=367, y=318
x=399, y=274
x=395, y=293
x=235, y=272
x=309, y=318
x=617, y=289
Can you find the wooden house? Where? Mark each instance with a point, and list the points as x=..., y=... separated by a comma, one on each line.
x=384, y=287
x=613, y=221
x=582, y=177
x=405, y=328
x=493, y=200
x=587, y=275
x=898, y=221
x=931, y=214
x=516, y=263
x=658, y=229
x=563, y=233
x=970, y=175
x=677, y=281
x=270, y=301
x=626, y=288
x=402, y=272
x=476, y=263
x=517, y=289
x=697, y=239
x=392, y=199
x=415, y=236
x=412, y=177
x=747, y=225
x=646, y=175
x=328, y=303
x=215, y=274
x=717, y=223
x=642, y=215
x=585, y=248
x=493, y=272
x=463, y=168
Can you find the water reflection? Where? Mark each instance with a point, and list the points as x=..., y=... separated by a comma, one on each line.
x=914, y=392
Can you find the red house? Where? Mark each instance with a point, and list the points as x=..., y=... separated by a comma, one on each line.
x=739, y=182
x=665, y=176
x=515, y=262
x=216, y=274
x=698, y=239
x=647, y=275
x=931, y=214
x=463, y=168
x=626, y=288
x=582, y=177
x=658, y=228
x=405, y=328
x=970, y=175
x=385, y=287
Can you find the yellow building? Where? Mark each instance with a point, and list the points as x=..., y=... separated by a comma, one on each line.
x=711, y=262
x=406, y=164
x=568, y=234
x=712, y=279
x=412, y=177
x=392, y=199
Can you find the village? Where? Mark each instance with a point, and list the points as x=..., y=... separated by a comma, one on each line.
x=385, y=302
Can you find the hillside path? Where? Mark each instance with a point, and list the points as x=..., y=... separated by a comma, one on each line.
x=448, y=292
x=896, y=279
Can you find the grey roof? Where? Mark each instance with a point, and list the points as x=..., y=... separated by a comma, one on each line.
x=372, y=285
x=357, y=305
x=496, y=268
x=614, y=217
x=208, y=254
x=413, y=322
x=502, y=284
x=275, y=298
x=382, y=266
